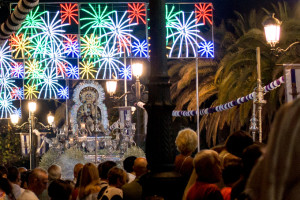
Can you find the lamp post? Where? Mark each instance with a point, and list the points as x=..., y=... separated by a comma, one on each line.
x=111, y=86
x=33, y=139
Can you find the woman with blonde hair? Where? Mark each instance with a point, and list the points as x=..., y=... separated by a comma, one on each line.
x=90, y=183
x=186, y=142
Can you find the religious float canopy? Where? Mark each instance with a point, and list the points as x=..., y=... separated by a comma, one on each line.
x=79, y=41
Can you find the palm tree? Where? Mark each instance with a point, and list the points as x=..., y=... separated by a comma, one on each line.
x=236, y=73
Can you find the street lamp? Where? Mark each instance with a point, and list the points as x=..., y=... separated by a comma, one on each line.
x=272, y=33
x=272, y=29
x=14, y=118
x=33, y=139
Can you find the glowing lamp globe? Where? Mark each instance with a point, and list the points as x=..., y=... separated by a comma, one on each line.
x=137, y=69
x=14, y=118
x=111, y=87
x=50, y=118
x=32, y=106
x=272, y=30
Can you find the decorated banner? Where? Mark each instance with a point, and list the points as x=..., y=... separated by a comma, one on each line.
x=292, y=77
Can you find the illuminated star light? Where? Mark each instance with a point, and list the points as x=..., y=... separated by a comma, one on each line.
x=186, y=34
x=32, y=19
x=91, y=46
x=140, y=49
x=126, y=72
x=72, y=72
x=71, y=46
x=6, y=106
x=137, y=11
x=87, y=70
x=33, y=72
x=49, y=84
x=70, y=12
x=206, y=49
x=109, y=62
x=97, y=19
x=17, y=70
x=17, y=93
x=30, y=91
x=170, y=18
x=5, y=57
x=6, y=83
x=50, y=32
x=204, y=12
x=120, y=31
x=20, y=45
x=63, y=93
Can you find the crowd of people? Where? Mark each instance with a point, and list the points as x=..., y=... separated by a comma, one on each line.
x=238, y=170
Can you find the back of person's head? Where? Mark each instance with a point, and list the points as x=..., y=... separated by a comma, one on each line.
x=140, y=166
x=186, y=141
x=89, y=174
x=237, y=142
x=117, y=177
x=59, y=190
x=128, y=163
x=5, y=186
x=249, y=158
x=25, y=179
x=22, y=169
x=13, y=174
x=38, y=180
x=3, y=171
x=231, y=173
x=77, y=168
x=104, y=168
x=78, y=179
x=36, y=174
x=208, y=166
x=54, y=172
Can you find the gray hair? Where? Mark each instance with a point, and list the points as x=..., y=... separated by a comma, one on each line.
x=54, y=172
x=186, y=141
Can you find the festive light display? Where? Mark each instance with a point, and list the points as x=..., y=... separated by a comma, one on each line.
x=17, y=70
x=126, y=72
x=69, y=11
x=6, y=106
x=49, y=85
x=63, y=93
x=17, y=93
x=109, y=63
x=91, y=47
x=71, y=46
x=140, y=49
x=32, y=19
x=50, y=32
x=137, y=11
x=20, y=45
x=98, y=18
x=6, y=83
x=30, y=92
x=5, y=57
x=170, y=18
x=53, y=46
x=186, y=34
x=119, y=31
x=18, y=112
x=87, y=70
x=206, y=49
x=33, y=72
x=72, y=72
x=204, y=13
